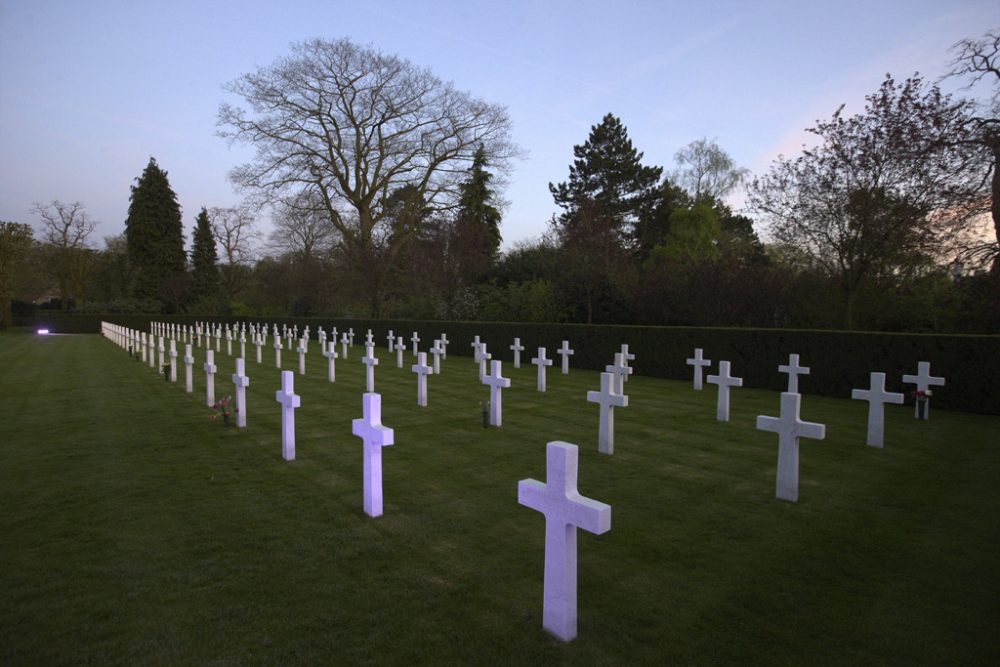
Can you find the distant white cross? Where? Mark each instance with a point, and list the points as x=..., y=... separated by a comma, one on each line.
x=496, y=383
x=302, y=355
x=399, y=351
x=289, y=402
x=608, y=399
x=620, y=369
x=243, y=345
x=627, y=357
x=375, y=436
x=391, y=339
x=565, y=510
x=877, y=397
x=565, y=352
x=474, y=344
x=350, y=335
x=924, y=380
x=437, y=351
x=343, y=346
x=422, y=370
x=331, y=356
x=481, y=357
x=794, y=371
x=415, y=339
x=789, y=429
x=369, y=340
x=370, y=363
x=210, y=370
x=188, y=363
x=258, y=341
x=517, y=348
x=159, y=349
x=724, y=380
x=242, y=382
x=444, y=346
x=277, y=352
x=698, y=362
x=541, y=362
x=173, y=360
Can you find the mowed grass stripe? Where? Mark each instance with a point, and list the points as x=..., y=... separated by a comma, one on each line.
x=137, y=529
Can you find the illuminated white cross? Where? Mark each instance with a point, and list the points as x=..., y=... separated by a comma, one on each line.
x=375, y=436
x=481, y=358
x=620, y=369
x=277, y=351
x=608, y=399
x=724, y=380
x=331, y=356
x=517, y=348
x=789, y=429
x=541, y=362
x=399, y=351
x=173, y=360
x=303, y=342
x=496, y=383
x=698, y=362
x=626, y=357
x=422, y=370
x=437, y=351
x=370, y=363
x=794, y=371
x=565, y=352
x=390, y=339
x=444, y=346
x=242, y=382
x=210, y=377
x=343, y=346
x=565, y=510
x=877, y=397
x=188, y=363
x=415, y=339
x=923, y=379
x=289, y=402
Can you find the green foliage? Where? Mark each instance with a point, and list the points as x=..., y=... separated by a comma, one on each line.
x=155, y=238
x=16, y=241
x=693, y=237
x=204, y=272
x=530, y=301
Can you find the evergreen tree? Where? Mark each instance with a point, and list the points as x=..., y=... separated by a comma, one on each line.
x=155, y=238
x=607, y=178
x=477, y=223
x=204, y=272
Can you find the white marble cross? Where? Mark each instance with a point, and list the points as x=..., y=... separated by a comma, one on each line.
x=343, y=346
x=399, y=351
x=152, y=350
x=210, y=377
x=370, y=362
x=626, y=357
x=229, y=341
x=369, y=340
x=350, y=336
x=422, y=370
x=242, y=382
x=474, y=344
x=698, y=362
x=188, y=363
x=159, y=349
x=517, y=348
x=565, y=510
x=277, y=352
x=375, y=436
x=289, y=402
x=437, y=351
x=725, y=381
x=877, y=397
x=173, y=360
x=789, y=429
x=444, y=346
x=391, y=340
x=243, y=345
x=303, y=342
x=794, y=371
x=258, y=341
x=481, y=357
x=923, y=379
x=331, y=356
x=565, y=352
x=415, y=339
x=620, y=369
x=608, y=399
x=496, y=383
x=541, y=362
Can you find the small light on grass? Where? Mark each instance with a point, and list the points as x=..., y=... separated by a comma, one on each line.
x=42, y=332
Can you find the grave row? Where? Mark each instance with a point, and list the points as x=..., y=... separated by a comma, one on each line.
x=558, y=499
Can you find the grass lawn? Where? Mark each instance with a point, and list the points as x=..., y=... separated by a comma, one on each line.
x=138, y=530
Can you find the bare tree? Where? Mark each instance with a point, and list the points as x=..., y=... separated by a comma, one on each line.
x=978, y=61
x=707, y=172
x=235, y=232
x=65, y=228
x=351, y=126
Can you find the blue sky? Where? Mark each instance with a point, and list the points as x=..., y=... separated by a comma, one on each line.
x=90, y=90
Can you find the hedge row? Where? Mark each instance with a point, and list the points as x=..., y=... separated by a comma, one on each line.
x=839, y=360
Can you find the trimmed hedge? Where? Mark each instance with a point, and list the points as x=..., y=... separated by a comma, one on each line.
x=839, y=360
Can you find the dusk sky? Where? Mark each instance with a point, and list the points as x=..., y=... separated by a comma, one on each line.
x=90, y=90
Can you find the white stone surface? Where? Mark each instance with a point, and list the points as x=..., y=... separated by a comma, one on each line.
x=794, y=370
x=698, y=362
x=331, y=357
x=241, y=382
x=542, y=363
x=789, y=429
x=621, y=370
x=444, y=345
x=422, y=370
x=481, y=357
x=375, y=436
x=626, y=358
x=415, y=339
x=188, y=363
x=302, y=355
x=437, y=351
x=924, y=380
x=496, y=383
x=343, y=346
x=277, y=352
x=350, y=336
x=877, y=397
x=517, y=349
x=391, y=338
x=565, y=510
x=566, y=353
x=608, y=399
x=370, y=362
x=258, y=341
x=399, y=351
x=210, y=370
x=289, y=401
x=172, y=354
x=724, y=380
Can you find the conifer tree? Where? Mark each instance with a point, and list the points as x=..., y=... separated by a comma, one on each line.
x=204, y=271
x=477, y=223
x=155, y=238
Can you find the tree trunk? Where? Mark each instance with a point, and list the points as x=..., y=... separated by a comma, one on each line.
x=995, y=204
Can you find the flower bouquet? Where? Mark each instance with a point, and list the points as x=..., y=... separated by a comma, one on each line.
x=922, y=398
x=224, y=408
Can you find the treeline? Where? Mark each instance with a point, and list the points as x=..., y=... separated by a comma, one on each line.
x=888, y=223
